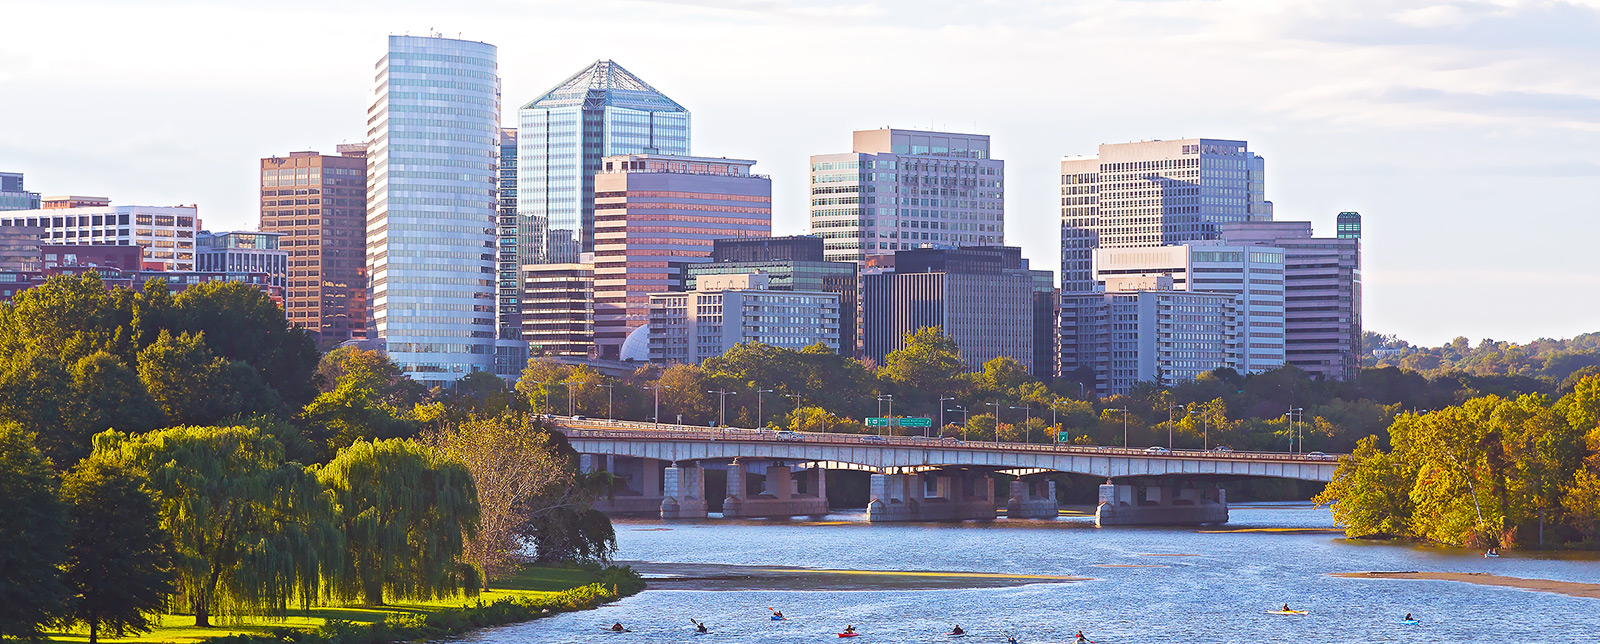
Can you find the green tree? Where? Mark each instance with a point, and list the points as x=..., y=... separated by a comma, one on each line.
x=241, y=323
x=31, y=536
x=354, y=413
x=1582, y=501
x=930, y=362
x=1370, y=493
x=119, y=560
x=250, y=532
x=186, y=380
x=107, y=394
x=406, y=511
x=36, y=393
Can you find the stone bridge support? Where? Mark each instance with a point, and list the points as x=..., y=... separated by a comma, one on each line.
x=684, y=486
x=780, y=494
x=1161, y=502
x=951, y=495
x=638, y=491
x=1032, y=498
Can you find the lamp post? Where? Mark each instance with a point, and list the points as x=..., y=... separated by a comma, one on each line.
x=1170, y=407
x=1124, y=411
x=657, y=391
x=996, y=406
x=609, y=389
x=1027, y=420
x=963, y=411
x=799, y=421
x=887, y=430
x=563, y=383
x=722, y=406
x=1297, y=417
x=758, y=405
x=941, y=413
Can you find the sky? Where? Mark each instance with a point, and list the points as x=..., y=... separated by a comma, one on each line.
x=1464, y=132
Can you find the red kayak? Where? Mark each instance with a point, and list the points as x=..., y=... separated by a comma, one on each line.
x=848, y=634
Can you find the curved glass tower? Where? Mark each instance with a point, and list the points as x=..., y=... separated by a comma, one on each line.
x=434, y=143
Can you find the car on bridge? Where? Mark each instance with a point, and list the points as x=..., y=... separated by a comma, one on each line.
x=787, y=435
x=1321, y=456
x=1157, y=449
x=1222, y=449
x=874, y=438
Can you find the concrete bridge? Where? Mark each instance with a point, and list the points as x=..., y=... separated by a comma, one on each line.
x=773, y=474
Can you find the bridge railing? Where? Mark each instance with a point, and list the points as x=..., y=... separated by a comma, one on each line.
x=596, y=428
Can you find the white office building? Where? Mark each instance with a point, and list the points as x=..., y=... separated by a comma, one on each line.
x=165, y=233
x=905, y=189
x=434, y=138
x=1142, y=330
x=730, y=309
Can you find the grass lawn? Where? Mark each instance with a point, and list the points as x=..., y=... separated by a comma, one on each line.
x=180, y=628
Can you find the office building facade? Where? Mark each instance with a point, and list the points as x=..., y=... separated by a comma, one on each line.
x=508, y=307
x=655, y=214
x=560, y=308
x=19, y=247
x=13, y=196
x=904, y=189
x=1322, y=292
x=165, y=234
x=792, y=263
x=727, y=310
x=433, y=143
x=242, y=252
x=982, y=297
x=316, y=204
x=72, y=201
x=1144, y=331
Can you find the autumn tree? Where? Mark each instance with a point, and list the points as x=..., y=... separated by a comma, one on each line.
x=119, y=560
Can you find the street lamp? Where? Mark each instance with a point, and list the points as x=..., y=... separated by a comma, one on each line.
x=941, y=413
x=1027, y=420
x=609, y=389
x=722, y=406
x=963, y=411
x=1205, y=420
x=1170, y=407
x=890, y=417
x=996, y=406
x=799, y=420
x=657, y=391
x=758, y=405
x=563, y=383
x=1124, y=411
x=1295, y=428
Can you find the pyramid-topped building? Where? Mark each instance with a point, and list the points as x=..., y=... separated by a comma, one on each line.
x=605, y=83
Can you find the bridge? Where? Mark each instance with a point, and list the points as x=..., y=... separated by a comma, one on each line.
x=913, y=478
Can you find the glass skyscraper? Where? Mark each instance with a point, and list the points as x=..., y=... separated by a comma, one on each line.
x=434, y=140
x=562, y=135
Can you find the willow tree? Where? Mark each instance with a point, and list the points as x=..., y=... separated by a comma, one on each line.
x=405, y=510
x=250, y=532
x=513, y=462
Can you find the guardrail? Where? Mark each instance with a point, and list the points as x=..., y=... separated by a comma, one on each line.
x=596, y=428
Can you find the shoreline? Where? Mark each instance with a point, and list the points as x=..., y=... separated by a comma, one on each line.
x=684, y=576
x=1569, y=588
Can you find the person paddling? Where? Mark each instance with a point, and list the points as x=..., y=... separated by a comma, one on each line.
x=957, y=630
x=617, y=628
x=699, y=627
x=1082, y=639
x=1408, y=617
x=778, y=614
x=1286, y=608
x=850, y=628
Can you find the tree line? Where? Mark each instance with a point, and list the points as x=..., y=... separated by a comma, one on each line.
x=194, y=454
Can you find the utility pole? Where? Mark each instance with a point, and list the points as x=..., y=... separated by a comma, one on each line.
x=941, y=413
x=1027, y=420
x=799, y=421
x=609, y=389
x=1296, y=416
x=722, y=406
x=1170, y=407
x=758, y=405
x=888, y=429
x=657, y=391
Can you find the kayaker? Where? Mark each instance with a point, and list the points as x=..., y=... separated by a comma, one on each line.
x=850, y=628
x=617, y=627
x=1286, y=608
x=778, y=614
x=957, y=630
x=1082, y=638
x=1408, y=617
x=701, y=627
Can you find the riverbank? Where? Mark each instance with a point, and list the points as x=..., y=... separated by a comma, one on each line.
x=1570, y=588
x=679, y=576
x=529, y=594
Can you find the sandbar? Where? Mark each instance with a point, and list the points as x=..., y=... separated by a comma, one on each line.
x=681, y=576
x=1572, y=588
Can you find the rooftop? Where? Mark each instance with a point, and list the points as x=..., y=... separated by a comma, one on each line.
x=605, y=83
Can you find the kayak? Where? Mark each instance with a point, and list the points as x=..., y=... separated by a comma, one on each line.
x=1491, y=555
x=1410, y=622
x=955, y=634
x=848, y=634
x=776, y=618
x=1288, y=612
x=616, y=631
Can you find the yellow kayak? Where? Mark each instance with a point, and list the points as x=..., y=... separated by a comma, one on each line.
x=1288, y=612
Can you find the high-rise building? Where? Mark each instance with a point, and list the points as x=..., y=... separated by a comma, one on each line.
x=727, y=310
x=72, y=201
x=903, y=189
x=560, y=306
x=508, y=311
x=433, y=143
x=242, y=251
x=1254, y=273
x=165, y=233
x=654, y=215
x=19, y=246
x=982, y=297
x=1154, y=193
x=601, y=111
x=316, y=205
x=1349, y=225
x=1322, y=292
x=12, y=194
x=1141, y=330
x=790, y=264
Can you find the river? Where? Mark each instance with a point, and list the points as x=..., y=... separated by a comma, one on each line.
x=1143, y=585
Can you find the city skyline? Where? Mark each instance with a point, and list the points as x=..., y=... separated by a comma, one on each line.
x=1472, y=118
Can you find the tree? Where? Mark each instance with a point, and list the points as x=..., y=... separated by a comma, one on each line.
x=1370, y=493
x=184, y=379
x=1582, y=500
x=241, y=323
x=354, y=413
x=119, y=560
x=513, y=461
x=540, y=382
x=35, y=393
x=929, y=362
x=250, y=532
x=405, y=510
x=107, y=394
x=31, y=536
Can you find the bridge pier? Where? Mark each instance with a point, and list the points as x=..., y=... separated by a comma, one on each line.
x=640, y=492
x=684, y=493
x=780, y=495
x=1032, y=499
x=1160, y=503
x=931, y=496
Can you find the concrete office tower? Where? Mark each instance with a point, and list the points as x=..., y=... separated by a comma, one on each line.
x=563, y=134
x=981, y=296
x=561, y=313
x=12, y=194
x=1322, y=292
x=317, y=204
x=165, y=233
x=242, y=251
x=508, y=311
x=1254, y=273
x=433, y=141
x=728, y=309
x=1154, y=193
x=790, y=264
x=1142, y=330
x=654, y=215
x=904, y=189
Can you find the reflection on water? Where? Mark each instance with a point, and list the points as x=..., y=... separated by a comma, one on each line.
x=1217, y=591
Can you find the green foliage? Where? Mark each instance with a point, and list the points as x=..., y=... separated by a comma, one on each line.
x=930, y=362
x=1549, y=360
x=1370, y=488
x=404, y=510
x=119, y=560
x=353, y=413
x=32, y=532
x=250, y=532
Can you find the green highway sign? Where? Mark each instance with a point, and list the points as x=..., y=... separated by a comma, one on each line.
x=1063, y=437
x=877, y=422
x=915, y=422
